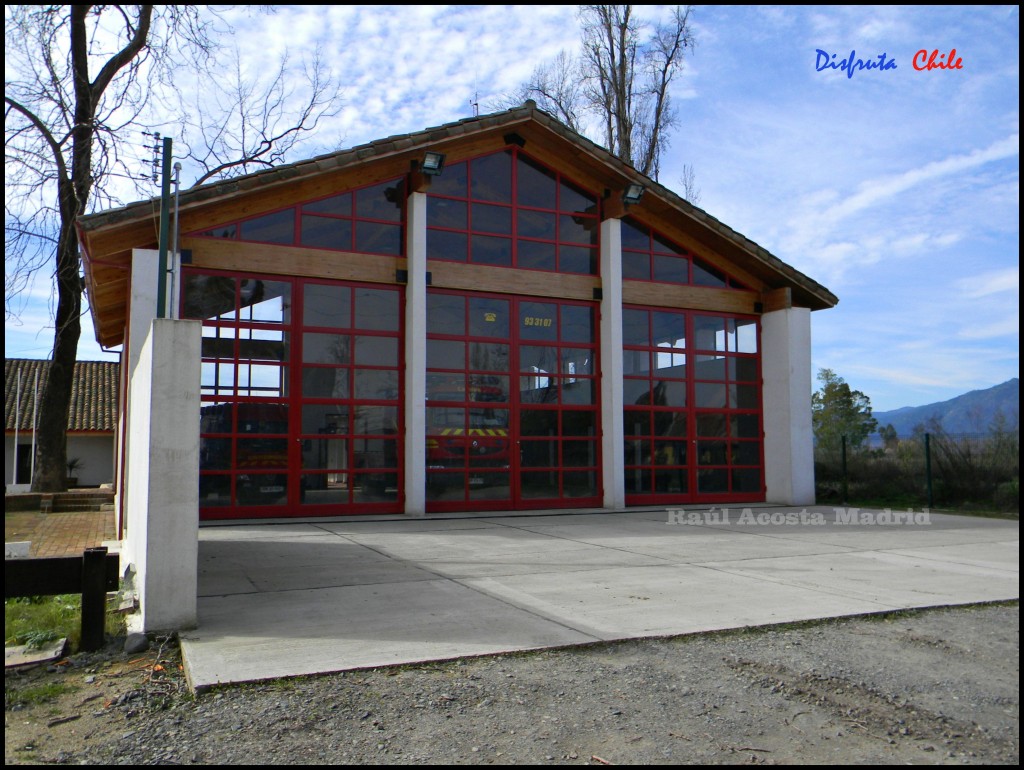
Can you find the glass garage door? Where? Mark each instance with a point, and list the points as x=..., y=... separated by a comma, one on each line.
x=692, y=407
x=301, y=395
x=512, y=412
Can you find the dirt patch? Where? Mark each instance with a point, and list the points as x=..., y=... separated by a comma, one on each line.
x=936, y=686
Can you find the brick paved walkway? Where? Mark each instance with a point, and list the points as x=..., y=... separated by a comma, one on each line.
x=60, y=534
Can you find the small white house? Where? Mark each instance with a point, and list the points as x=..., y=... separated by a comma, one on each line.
x=91, y=421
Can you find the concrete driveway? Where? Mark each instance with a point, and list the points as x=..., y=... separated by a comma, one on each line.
x=304, y=598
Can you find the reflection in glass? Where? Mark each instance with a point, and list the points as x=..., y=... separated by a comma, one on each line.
x=261, y=380
x=265, y=301
x=214, y=454
x=442, y=244
x=329, y=306
x=339, y=205
x=491, y=178
x=541, y=484
x=488, y=317
x=377, y=309
x=377, y=385
x=491, y=250
x=446, y=314
x=325, y=382
x=326, y=348
x=208, y=297
x=492, y=219
x=261, y=488
x=635, y=327
x=378, y=238
x=445, y=212
x=536, y=185
x=536, y=224
x=278, y=227
x=375, y=419
x=488, y=356
x=382, y=201
x=325, y=488
x=376, y=351
x=709, y=332
x=326, y=233
x=446, y=354
x=577, y=259
x=536, y=255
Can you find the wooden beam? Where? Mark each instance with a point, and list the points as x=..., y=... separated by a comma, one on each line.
x=502, y=280
x=238, y=256
x=688, y=297
x=777, y=299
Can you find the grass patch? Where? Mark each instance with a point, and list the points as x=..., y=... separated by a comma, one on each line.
x=37, y=620
x=35, y=695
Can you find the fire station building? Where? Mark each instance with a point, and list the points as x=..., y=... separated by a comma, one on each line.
x=495, y=314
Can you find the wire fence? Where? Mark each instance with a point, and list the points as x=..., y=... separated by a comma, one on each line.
x=937, y=469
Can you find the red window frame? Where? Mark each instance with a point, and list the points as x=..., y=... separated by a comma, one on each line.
x=568, y=250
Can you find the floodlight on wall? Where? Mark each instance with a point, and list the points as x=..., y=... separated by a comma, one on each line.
x=433, y=163
x=634, y=192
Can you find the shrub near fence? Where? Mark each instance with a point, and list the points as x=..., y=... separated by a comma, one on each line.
x=967, y=470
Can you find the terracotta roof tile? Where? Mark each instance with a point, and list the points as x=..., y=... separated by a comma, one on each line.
x=94, y=394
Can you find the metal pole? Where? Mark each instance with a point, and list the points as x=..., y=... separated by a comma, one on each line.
x=17, y=419
x=165, y=216
x=175, y=268
x=35, y=419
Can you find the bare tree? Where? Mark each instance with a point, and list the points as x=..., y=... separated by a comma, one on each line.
x=620, y=83
x=258, y=123
x=78, y=80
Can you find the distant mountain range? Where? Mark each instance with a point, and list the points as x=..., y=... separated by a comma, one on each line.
x=970, y=413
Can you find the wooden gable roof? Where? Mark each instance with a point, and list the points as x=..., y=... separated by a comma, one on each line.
x=108, y=237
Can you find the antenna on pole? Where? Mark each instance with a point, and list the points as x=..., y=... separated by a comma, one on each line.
x=475, y=104
x=154, y=161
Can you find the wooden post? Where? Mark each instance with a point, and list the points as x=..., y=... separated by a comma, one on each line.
x=94, y=598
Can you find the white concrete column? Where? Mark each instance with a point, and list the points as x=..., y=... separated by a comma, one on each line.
x=416, y=355
x=613, y=457
x=141, y=312
x=162, y=485
x=788, y=437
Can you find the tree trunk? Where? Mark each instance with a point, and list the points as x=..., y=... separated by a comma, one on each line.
x=55, y=401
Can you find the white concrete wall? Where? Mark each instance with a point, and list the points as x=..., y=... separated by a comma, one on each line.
x=23, y=446
x=788, y=436
x=97, y=455
x=416, y=357
x=612, y=453
x=162, y=484
x=96, y=451
x=141, y=312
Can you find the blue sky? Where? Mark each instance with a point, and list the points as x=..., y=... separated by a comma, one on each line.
x=898, y=189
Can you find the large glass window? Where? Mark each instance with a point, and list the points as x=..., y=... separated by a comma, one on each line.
x=509, y=210
x=300, y=410
x=692, y=415
x=649, y=256
x=368, y=220
x=512, y=409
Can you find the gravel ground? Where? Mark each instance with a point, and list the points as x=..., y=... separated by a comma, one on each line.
x=926, y=687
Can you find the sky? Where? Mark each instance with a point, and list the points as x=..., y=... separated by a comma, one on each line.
x=896, y=186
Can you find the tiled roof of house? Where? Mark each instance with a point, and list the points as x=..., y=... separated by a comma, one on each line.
x=94, y=394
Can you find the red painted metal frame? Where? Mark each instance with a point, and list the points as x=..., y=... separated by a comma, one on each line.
x=515, y=340
x=292, y=400
x=691, y=411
